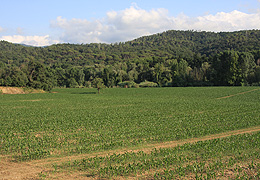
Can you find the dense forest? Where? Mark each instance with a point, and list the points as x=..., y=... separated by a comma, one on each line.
x=172, y=58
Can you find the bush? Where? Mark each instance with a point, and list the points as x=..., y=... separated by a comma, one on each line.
x=148, y=84
x=88, y=84
x=128, y=84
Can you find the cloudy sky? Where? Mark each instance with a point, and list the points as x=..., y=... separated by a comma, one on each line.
x=46, y=22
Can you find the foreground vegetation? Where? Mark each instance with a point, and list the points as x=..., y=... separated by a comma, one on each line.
x=80, y=121
x=235, y=157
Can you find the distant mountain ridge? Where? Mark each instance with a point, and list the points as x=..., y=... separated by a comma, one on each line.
x=26, y=45
x=175, y=44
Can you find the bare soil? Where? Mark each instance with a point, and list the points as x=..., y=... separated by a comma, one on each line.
x=36, y=169
x=18, y=90
x=12, y=90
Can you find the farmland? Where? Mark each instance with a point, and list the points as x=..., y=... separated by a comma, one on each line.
x=82, y=123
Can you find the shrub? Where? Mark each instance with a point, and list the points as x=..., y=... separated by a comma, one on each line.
x=148, y=84
x=129, y=84
x=88, y=84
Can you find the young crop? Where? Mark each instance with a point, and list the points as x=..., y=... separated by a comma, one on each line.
x=183, y=162
x=76, y=121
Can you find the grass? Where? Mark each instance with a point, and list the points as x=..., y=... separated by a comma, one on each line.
x=75, y=121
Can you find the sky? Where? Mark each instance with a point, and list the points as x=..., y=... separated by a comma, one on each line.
x=47, y=22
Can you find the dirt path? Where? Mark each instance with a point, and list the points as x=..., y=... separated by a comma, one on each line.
x=31, y=170
x=237, y=94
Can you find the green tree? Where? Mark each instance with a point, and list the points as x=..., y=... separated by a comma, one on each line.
x=98, y=83
x=157, y=72
x=182, y=67
x=246, y=65
x=232, y=68
x=72, y=83
x=179, y=72
x=225, y=66
x=19, y=78
x=175, y=72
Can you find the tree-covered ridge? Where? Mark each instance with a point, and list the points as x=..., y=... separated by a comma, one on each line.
x=184, y=44
x=172, y=58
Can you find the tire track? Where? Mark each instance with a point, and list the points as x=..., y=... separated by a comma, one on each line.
x=237, y=94
x=31, y=170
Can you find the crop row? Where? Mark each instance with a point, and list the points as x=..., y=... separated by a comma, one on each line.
x=232, y=157
x=76, y=121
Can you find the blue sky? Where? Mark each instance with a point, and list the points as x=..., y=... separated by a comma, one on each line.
x=39, y=23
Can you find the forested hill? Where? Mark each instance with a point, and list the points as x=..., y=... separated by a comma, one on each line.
x=172, y=58
x=179, y=43
x=170, y=44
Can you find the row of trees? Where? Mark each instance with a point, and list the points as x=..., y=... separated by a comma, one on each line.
x=172, y=58
x=228, y=68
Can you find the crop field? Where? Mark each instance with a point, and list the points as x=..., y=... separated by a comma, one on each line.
x=143, y=133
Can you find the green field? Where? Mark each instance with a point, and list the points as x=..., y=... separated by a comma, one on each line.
x=80, y=121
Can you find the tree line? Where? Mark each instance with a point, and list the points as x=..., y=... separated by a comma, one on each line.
x=172, y=58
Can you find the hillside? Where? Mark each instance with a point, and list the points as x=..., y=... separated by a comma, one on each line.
x=149, y=58
x=184, y=44
x=188, y=44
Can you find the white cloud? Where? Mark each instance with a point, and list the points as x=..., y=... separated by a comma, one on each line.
x=116, y=26
x=30, y=40
x=134, y=22
x=232, y=21
x=78, y=30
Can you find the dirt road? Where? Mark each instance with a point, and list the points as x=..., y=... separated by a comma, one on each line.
x=30, y=170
